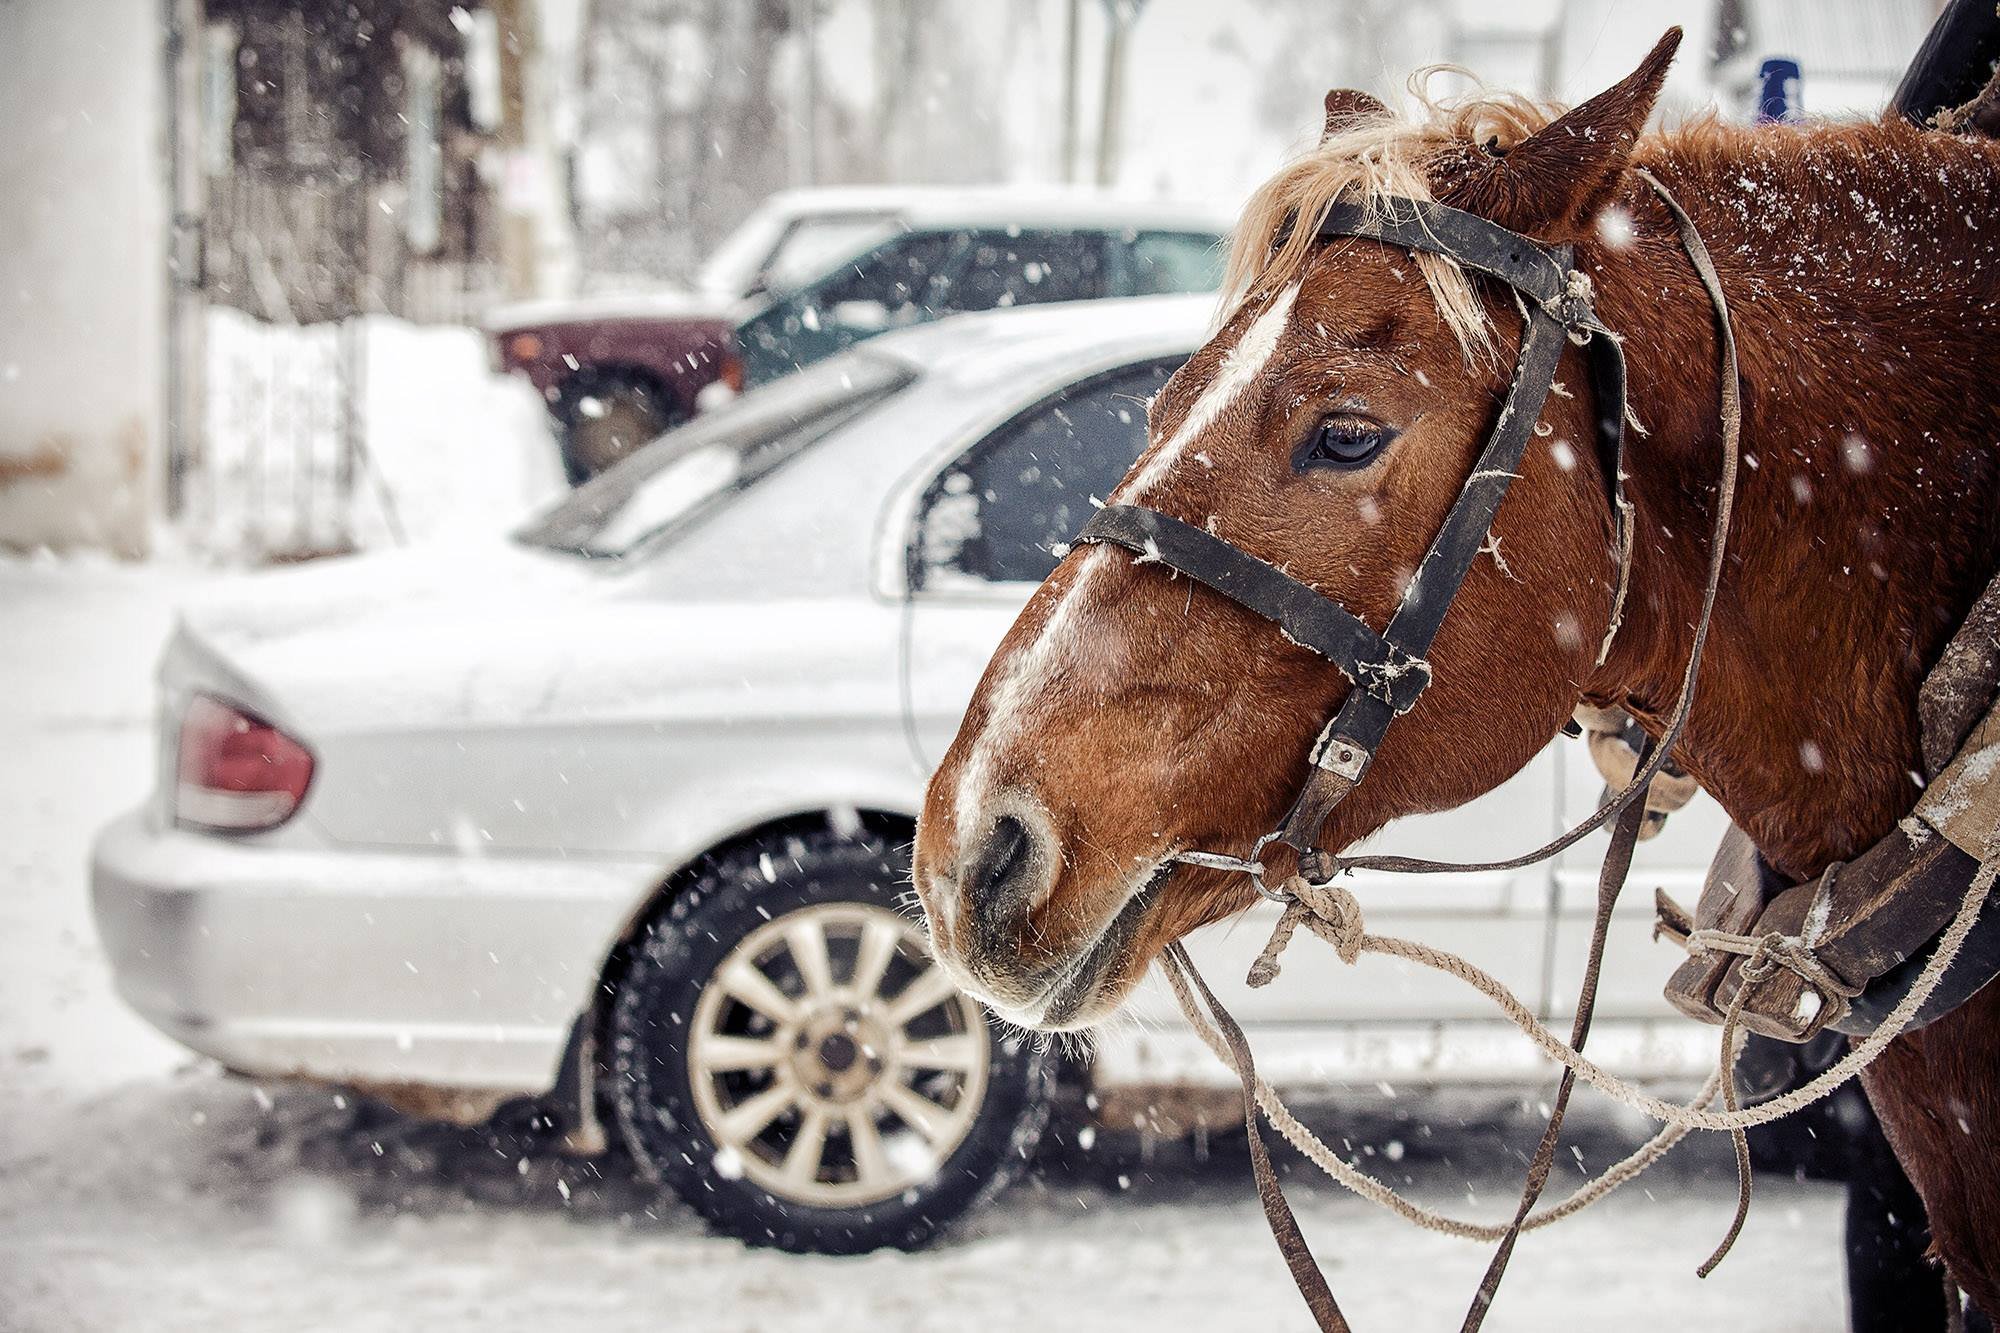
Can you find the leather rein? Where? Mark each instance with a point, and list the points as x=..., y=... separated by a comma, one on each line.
x=1388, y=670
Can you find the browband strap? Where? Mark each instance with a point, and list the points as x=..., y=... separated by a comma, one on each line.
x=1468, y=240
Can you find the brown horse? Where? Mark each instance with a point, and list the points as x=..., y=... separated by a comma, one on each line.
x=1327, y=427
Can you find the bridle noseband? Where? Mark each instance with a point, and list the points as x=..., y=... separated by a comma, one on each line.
x=1388, y=670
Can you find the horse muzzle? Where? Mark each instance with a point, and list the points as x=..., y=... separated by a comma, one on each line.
x=1000, y=930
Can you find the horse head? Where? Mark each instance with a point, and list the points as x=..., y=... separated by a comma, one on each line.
x=1326, y=428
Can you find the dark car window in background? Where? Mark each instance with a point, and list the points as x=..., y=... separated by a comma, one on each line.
x=888, y=287
x=1000, y=512
x=1164, y=262
x=896, y=276
x=1032, y=268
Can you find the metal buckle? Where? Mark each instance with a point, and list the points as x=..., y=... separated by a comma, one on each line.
x=1341, y=757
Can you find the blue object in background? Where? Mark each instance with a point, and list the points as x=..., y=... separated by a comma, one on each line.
x=1778, y=89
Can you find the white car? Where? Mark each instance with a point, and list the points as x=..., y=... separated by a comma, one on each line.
x=617, y=816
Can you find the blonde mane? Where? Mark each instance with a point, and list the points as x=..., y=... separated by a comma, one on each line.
x=1384, y=157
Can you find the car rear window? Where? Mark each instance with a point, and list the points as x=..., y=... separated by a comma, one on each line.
x=666, y=485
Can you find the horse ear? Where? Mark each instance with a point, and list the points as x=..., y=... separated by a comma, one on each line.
x=1558, y=178
x=1350, y=108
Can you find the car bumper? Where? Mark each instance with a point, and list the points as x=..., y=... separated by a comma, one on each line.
x=370, y=968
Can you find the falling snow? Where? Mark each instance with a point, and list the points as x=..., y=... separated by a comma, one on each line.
x=140, y=1187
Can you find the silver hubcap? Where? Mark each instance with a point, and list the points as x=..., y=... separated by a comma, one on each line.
x=833, y=1063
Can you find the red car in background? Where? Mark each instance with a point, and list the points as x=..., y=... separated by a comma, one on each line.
x=814, y=271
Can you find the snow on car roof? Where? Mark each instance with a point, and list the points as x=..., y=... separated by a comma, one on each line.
x=987, y=348
x=997, y=206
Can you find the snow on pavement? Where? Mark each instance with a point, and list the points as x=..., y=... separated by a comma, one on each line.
x=142, y=1188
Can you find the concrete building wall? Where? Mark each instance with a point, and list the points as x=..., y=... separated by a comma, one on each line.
x=82, y=273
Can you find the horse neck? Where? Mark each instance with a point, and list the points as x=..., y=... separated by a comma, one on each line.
x=1864, y=526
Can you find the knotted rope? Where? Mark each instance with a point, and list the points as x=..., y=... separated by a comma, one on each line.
x=1766, y=954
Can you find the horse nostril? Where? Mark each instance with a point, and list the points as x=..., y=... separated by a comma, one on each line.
x=997, y=888
x=999, y=856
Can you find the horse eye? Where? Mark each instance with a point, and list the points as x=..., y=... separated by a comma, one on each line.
x=1344, y=441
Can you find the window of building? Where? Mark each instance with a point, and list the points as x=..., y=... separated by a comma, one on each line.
x=423, y=149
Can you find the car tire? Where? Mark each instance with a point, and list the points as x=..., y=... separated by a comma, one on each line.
x=895, y=1113
x=608, y=415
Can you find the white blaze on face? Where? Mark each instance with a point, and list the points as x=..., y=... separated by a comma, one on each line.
x=1241, y=365
x=1022, y=682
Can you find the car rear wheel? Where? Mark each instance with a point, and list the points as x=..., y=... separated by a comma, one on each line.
x=609, y=415
x=793, y=1064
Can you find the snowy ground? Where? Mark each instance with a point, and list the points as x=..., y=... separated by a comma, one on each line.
x=140, y=1188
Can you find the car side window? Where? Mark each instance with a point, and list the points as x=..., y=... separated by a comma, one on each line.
x=887, y=287
x=1164, y=262
x=1032, y=268
x=998, y=514
x=896, y=275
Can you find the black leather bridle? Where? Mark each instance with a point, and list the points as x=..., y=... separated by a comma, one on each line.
x=1388, y=670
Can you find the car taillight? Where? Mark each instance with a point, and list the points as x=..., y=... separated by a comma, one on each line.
x=236, y=772
x=524, y=347
x=732, y=372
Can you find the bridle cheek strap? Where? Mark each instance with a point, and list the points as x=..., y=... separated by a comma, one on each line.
x=1348, y=744
x=1388, y=670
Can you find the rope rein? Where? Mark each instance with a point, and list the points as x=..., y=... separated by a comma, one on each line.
x=1341, y=926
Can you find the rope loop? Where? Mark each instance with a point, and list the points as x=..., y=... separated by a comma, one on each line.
x=1329, y=910
x=1336, y=908
x=1766, y=959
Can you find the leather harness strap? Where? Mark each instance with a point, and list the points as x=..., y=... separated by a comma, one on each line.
x=1977, y=964
x=1306, y=1274
x=1851, y=942
x=1349, y=742
x=1610, y=881
x=1543, y=275
x=1730, y=415
x=1388, y=670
